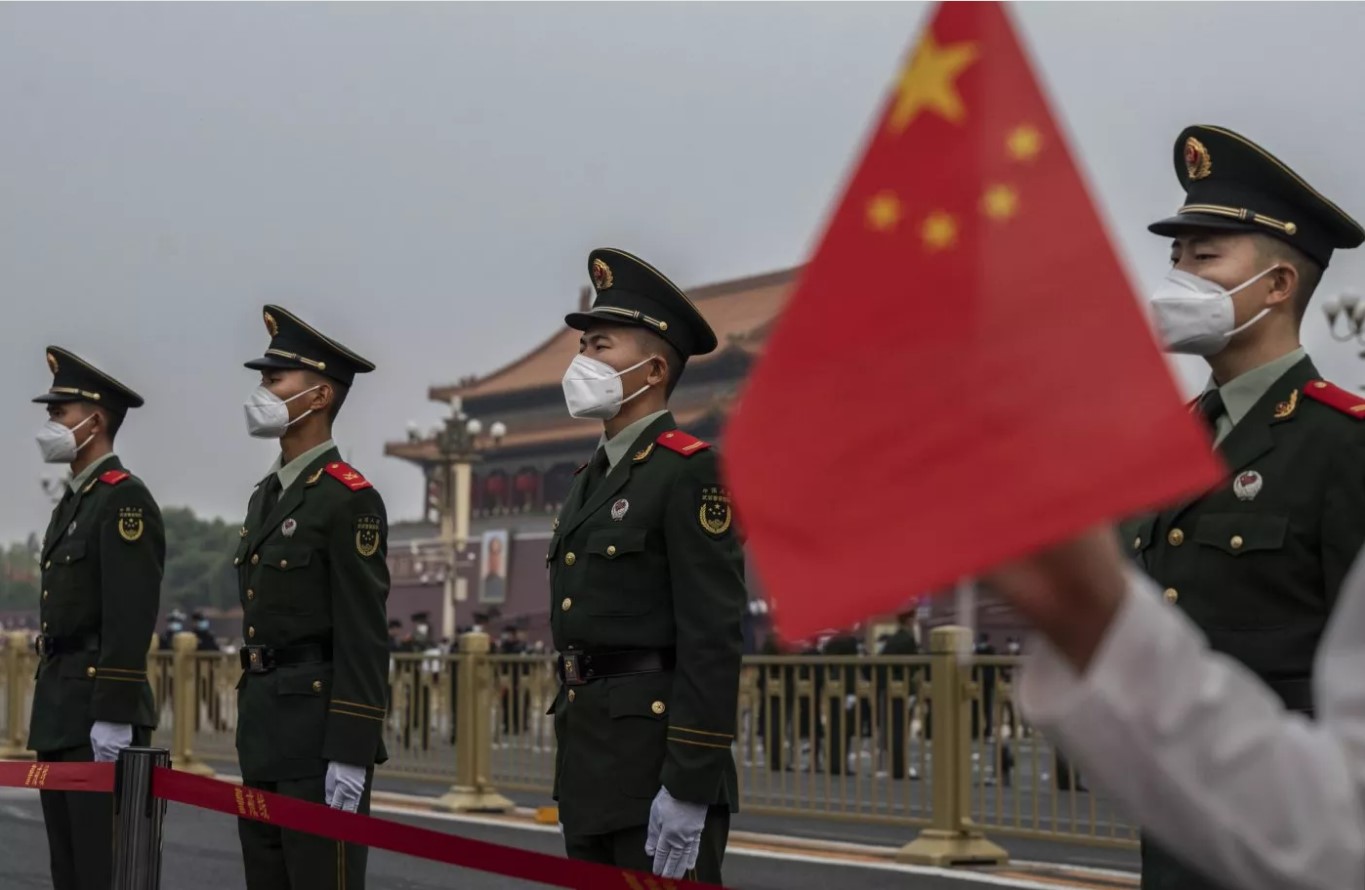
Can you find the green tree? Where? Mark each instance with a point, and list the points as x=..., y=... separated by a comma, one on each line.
x=19, y=576
x=198, y=561
x=198, y=565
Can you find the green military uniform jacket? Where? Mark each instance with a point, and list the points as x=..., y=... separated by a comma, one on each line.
x=102, y=561
x=1258, y=562
x=313, y=572
x=650, y=559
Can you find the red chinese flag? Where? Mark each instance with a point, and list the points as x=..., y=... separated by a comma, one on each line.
x=963, y=374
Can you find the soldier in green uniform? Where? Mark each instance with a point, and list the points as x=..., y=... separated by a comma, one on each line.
x=101, y=562
x=1257, y=562
x=313, y=582
x=647, y=595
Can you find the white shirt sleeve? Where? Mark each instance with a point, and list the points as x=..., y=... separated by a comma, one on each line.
x=1205, y=758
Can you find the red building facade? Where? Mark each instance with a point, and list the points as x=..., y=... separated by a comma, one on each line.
x=520, y=485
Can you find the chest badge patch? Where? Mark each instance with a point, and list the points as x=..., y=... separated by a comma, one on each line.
x=289, y=526
x=130, y=526
x=715, y=515
x=367, y=535
x=618, y=509
x=1247, y=485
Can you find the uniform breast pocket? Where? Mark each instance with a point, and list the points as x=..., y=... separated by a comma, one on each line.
x=239, y=558
x=619, y=578
x=69, y=563
x=1135, y=535
x=1241, y=534
x=287, y=577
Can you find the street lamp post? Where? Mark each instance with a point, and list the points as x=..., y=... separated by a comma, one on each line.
x=1349, y=309
x=460, y=442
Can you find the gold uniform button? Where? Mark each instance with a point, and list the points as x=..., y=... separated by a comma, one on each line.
x=256, y=559
x=251, y=632
x=611, y=550
x=567, y=604
x=236, y=561
x=90, y=672
x=1319, y=385
x=284, y=563
x=1171, y=594
x=657, y=707
x=1137, y=543
x=48, y=564
x=1176, y=537
x=44, y=627
x=317, y=685
x=44, y=594
x=555, y=526
x=1237, y=542
x=570, y=559
x=572, y=695
x=251, y=594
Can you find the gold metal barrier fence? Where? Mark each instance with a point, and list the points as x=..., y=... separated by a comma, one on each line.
x=17, y=664
x=933, y=742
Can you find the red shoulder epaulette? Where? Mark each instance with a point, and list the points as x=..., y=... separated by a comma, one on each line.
x=347, y=476
x=114, y=477
x=1333, y=396
x=683, y=443
x=580, y=469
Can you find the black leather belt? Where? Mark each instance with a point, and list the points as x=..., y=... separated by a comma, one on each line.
x=577, y=668
x=1297, y=695
x=49, y=646
x=264, y=659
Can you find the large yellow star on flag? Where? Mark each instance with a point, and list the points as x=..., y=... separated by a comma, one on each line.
x=929, y=81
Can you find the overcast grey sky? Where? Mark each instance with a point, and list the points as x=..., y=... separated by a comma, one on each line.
x=423, y=182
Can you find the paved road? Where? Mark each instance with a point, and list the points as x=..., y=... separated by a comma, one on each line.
x=201, y=850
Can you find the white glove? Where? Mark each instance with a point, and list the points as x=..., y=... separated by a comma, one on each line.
x=674, y=834
x=107, y=739
x=344, y=786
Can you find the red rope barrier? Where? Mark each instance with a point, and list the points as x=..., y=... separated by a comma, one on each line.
x=57, y=776
x=351, y=828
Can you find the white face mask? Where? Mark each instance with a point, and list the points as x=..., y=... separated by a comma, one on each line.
x=1195, y=316
x=592, y=388
x=57, y=441
x=267, y=415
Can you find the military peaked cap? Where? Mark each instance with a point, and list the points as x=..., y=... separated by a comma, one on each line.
x=1233, y=184
x=294, y=345
x=76, y=380
x=632, y=292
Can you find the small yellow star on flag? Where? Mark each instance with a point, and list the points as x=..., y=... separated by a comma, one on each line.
x=1024, y=143
x=939, y=230
x=1000, y=202
x=929, y=81
x=883, y=211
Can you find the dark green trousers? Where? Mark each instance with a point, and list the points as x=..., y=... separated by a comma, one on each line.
x=279, y=859
x=626, y=848
x=1163, y=871
x=80, y=826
